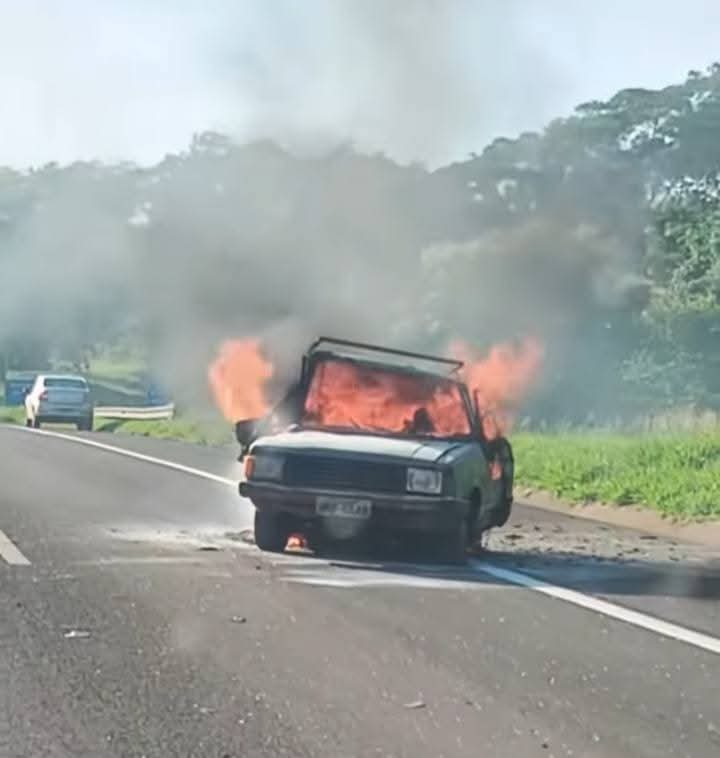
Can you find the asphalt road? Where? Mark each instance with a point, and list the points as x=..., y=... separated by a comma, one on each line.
x=135, y=621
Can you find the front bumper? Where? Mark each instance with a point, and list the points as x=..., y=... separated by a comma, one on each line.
x=59, y=413
x=389, y=512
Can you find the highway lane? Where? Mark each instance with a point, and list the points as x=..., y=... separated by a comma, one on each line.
x=679, y=583
x=126, y=636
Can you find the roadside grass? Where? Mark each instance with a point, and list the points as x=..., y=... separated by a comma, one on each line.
x=677, y=474
x=184, y=429
x=12, y=415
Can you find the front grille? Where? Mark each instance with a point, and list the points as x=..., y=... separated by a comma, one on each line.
x=340, y=473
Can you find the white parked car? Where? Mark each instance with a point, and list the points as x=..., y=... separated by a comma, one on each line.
x=59, y=399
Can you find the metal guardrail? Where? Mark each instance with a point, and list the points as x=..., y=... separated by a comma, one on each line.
x=140, y=413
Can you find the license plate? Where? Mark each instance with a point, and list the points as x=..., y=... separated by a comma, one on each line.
x=343, y=507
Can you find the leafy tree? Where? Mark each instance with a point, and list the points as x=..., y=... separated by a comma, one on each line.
x=560, y=232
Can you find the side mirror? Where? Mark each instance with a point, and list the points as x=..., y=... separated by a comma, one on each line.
x=245, y=432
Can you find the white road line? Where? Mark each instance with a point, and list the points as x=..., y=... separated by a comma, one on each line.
x=642, y=620
x=664, y=628
x=10, y=553
x=132, y=454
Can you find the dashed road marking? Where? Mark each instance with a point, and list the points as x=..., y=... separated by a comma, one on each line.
x=10, y=552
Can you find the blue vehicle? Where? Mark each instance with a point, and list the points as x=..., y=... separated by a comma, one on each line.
x=59, y=399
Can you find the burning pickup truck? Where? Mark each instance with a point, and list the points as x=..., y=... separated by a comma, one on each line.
x=374, y=440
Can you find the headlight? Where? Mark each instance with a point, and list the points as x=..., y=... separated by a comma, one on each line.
x=264, y=467
x=425, y=480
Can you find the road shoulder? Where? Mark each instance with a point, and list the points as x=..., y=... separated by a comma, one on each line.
x=629, y=517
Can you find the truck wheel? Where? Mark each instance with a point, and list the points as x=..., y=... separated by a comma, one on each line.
x=271, y=534
x=505, y=506
x=318, y=542
x=503, y=513
x=453, y=546
x=505, y=455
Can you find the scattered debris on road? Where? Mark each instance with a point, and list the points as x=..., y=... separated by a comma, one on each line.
x=76, y=634
x=238, y=620
x=415, y=705
x=246, y=535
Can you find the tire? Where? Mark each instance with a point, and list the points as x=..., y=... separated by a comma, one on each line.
x=503, y=513
x=452, y=547
x=271, y=533
x=475, y=530
x=317, y=542
x=503, y=451
x=85, y=424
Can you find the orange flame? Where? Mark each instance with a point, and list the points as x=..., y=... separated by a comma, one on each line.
x=296, y=541
x=349, y=395
x=237, y=379
x=500, y=381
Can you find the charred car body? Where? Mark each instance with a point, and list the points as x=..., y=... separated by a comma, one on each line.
x=375, y=440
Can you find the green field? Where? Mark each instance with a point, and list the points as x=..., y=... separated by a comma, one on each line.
x=11, y=415
x=676, y=474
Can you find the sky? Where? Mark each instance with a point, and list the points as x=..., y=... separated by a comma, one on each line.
x=420, y=80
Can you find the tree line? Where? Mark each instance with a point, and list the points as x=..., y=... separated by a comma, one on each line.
x=599, y=234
